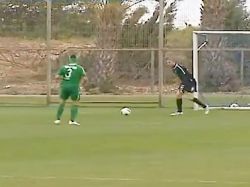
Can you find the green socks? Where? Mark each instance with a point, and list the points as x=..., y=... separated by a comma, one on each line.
x=74, y=111
x=60, y=111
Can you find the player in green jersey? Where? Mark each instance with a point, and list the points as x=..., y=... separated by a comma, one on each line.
x=71, y=76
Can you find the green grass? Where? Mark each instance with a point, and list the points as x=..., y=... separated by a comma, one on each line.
x=146, y=149
x=86, y=100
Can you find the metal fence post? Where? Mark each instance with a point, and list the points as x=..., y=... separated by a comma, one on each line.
x=152, y=70
x=48, y=43
x=160, y=53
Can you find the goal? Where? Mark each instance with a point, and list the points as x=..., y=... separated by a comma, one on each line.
x=221, y=67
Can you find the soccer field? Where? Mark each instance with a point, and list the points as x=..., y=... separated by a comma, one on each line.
x=146, y=149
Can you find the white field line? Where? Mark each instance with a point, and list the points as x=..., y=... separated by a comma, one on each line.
x=68, y=178
x=186, y=181
x=207, y=181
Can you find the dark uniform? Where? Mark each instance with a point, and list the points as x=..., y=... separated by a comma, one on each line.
x=188, y=83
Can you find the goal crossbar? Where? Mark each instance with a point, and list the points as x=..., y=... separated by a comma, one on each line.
x=221, y=32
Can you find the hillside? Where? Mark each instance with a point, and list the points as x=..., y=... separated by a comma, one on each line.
x=23, y=63
x=23, y=68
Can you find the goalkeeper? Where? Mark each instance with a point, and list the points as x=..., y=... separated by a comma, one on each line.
x=188, y=84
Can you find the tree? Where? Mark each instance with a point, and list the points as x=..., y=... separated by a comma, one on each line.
x=109, y=30
x=237, y=17
x=114, y=33
x=108, y=20
x=224, y=15
x=21, y=17
x=213, y=15
x=149, y=28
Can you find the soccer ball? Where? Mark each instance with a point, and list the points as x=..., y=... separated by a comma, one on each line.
x=233, y=105
x=125, y=111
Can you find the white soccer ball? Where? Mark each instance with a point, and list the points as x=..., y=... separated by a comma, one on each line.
x=125, y=111
x=234, y=105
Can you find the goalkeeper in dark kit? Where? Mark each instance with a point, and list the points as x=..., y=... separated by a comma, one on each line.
x=188, y=84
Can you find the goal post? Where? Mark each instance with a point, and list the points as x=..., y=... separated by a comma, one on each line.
x=195, y=65
x=221, y=67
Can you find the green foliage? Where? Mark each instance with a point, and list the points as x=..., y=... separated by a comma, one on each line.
x=28, y=18
x=225, y=15
x=19, y=18
x=237, y=16
x=180, y=38
x=108, y=21
x=135, y=34
x=213, y=14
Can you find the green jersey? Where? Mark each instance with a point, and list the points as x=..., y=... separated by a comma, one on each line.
x=71, y=74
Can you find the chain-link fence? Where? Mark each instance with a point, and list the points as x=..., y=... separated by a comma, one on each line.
x=118, y=47
x=118, y=53
x=114, y=72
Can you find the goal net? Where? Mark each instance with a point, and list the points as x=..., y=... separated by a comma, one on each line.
x=221, y=66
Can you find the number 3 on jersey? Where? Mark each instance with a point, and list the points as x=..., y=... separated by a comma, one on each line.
x=68, y=74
